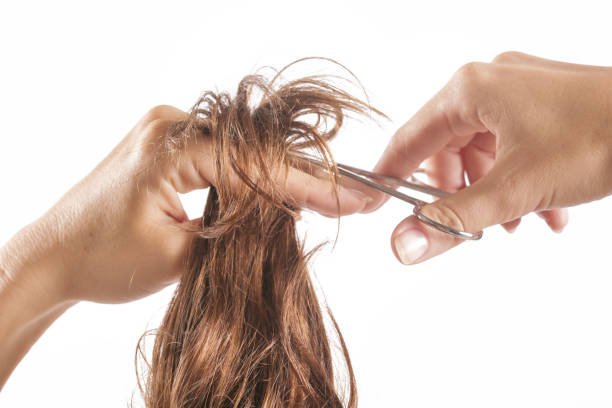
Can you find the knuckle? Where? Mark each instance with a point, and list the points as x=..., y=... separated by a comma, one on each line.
x=445, y=214
x=153, y=140
x=473, y=89
x=158, y=127
x=471, y=72
x=469, y=80
x=507, y=57
x=159, y=112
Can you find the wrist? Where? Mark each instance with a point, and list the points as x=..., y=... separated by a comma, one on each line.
x=32, y=273
x=32, y=293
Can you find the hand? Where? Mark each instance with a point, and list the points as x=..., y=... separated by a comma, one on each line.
x=116, y=236
x=117, y=233
x=529, y=133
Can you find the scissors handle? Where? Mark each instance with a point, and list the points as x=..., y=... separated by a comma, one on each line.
x=445, y=228
x=364, y=176
x=350, y=171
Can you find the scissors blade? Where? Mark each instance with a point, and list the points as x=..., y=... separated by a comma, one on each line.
x=421, y=187
x=380, y=187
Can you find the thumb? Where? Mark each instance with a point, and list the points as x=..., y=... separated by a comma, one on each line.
x=490, y=200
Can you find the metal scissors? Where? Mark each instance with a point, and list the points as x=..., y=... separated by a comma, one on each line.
x=367, y=177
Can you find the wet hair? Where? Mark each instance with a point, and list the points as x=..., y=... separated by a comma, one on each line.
x=244, y=327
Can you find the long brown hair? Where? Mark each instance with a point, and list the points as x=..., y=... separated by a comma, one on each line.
x=244, y=328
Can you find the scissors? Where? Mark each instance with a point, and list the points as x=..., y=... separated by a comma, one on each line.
x=367, y=177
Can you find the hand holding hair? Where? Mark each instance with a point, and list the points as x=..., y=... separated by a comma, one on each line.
x=531, y=135
x=118, y=235
x=527, y=132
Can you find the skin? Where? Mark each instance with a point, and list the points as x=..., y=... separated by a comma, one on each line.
x=526, y=131
x=116, y=236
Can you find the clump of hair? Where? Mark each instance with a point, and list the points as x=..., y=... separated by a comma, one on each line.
x=244, y=327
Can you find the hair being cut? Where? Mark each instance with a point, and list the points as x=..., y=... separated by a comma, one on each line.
x=245, y=328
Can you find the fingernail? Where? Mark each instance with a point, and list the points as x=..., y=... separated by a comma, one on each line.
x=361, y=195
x=371, y=208
x=364, y=199
x=410, y=245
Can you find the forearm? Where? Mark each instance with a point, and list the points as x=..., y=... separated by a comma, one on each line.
x=30, y=294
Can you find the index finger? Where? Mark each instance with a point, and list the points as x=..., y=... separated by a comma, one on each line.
x=450, y=116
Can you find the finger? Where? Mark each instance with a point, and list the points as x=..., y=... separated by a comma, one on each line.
x=448, y=115
x=413, y=243
x=308, y=191
x=471, y=209
x=318, y=194
x=190, y=167
x=556, y=219
x=511, y=226
x=171, y=204
x=323, y=174
x=478, y=159
x=184, y=167
x=422, y=136
x=445, y=170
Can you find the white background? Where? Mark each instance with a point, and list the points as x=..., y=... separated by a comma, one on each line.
x=513, y=320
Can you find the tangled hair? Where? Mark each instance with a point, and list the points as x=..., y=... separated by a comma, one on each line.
x=244, y=328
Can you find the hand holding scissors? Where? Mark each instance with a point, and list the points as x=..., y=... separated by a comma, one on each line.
x=530, y=135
